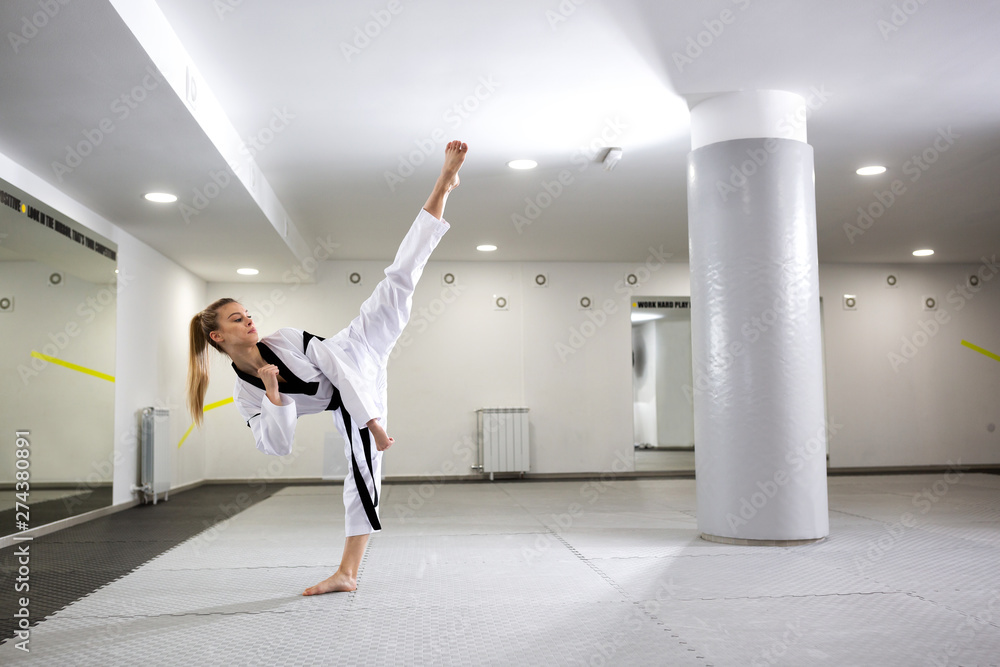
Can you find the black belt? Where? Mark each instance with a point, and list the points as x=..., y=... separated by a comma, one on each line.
x=335, y=402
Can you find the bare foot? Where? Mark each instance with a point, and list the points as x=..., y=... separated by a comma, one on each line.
x=339, y=582
x=454, y=156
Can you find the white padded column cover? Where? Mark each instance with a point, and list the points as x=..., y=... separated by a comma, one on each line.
x=760, y=429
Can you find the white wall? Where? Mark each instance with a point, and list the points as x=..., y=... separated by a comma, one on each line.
x=574, y=371
x=932, y=402
x=52, y=401
x=570, y=367
x=156, y=299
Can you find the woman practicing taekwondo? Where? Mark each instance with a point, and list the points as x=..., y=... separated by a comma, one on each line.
x=293, y=373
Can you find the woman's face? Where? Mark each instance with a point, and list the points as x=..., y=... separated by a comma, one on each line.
x=236, y=328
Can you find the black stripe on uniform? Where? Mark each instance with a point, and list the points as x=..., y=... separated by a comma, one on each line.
x=359, y=481
x=367, y=442
x=306, y=337
x=292, y=383
x=335, y=401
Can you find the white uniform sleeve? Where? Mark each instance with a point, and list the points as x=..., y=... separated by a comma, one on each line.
x=273, y=426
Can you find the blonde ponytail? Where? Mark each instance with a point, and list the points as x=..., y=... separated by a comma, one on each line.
x=202, y=324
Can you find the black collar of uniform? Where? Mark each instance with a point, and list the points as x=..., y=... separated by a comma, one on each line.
x=292, y=384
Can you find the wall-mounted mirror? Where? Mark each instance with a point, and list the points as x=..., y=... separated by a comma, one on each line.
x=662, y=383
x=58, y=297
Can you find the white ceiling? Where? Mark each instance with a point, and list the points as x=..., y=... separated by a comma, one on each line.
x=546, y=89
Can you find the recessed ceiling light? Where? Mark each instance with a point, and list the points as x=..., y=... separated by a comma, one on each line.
x=522, y=164
x=923, y=253
x=247, y=272
x=160, y=197
x=871, y=171
x=486, y=247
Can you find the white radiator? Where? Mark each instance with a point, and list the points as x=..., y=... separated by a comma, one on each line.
x=155, y=455
x=503, y=439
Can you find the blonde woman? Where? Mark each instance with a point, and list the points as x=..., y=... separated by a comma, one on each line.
x=293, y=372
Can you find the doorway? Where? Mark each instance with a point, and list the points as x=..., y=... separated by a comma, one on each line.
x=663, y=411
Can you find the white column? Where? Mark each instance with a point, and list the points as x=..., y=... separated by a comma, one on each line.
x=760, y=427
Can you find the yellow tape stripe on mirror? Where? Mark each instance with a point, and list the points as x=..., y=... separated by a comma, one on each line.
x=981, y=350
x=210, y=406
x=82, y=369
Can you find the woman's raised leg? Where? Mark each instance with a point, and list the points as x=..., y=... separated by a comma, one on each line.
x=385, y=313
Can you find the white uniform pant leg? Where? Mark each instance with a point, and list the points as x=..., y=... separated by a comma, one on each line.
x=363, y=483
x=386, y=312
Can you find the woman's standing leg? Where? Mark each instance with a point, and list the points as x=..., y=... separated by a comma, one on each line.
x=362, y=487
x=394, y=291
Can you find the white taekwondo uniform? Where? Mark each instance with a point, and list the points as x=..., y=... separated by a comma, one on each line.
x=344, y=373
